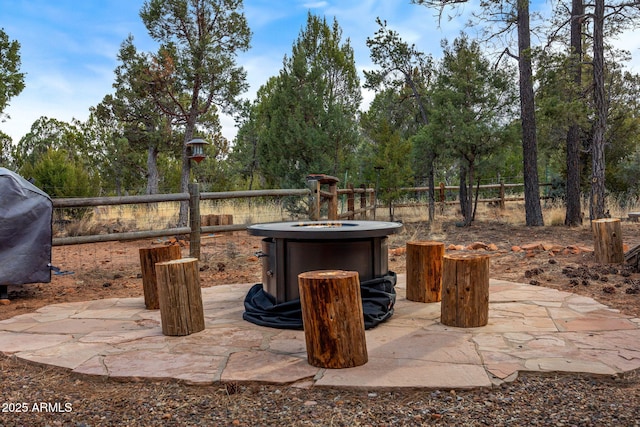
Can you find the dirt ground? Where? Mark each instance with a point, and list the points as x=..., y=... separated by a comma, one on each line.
x=555, y=257
x=551, y=256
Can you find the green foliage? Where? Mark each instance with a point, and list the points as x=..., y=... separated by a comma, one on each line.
x=6, y=160
x=406, y=71
x=392, y=153
x=304, y=120
x=629, y=174
x=560, y=103
x=194, y=71
x=129, y=123
x=11, y=79
x=59, y=174
x=48, y=133
x=471, y=108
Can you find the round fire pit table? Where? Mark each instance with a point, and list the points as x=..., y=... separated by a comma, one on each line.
x=291, y=248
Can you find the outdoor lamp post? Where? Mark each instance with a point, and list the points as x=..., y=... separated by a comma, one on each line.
x=195, y=151
x=196, y=147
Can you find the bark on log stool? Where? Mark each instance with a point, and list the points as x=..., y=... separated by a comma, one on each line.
x=180, y=296
x=607, y=236
x=333, y=319
x=424, y=271
x=148, y=259
x=465, y=290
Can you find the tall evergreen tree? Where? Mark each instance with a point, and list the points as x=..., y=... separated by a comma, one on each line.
x=307, y=114
x=471, y=109
x=11, y=79
x=144, y=126
x=406, y=70
x=194, y=74
x=514, y=14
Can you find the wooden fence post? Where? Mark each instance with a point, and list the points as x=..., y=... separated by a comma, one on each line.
x=194, y=220
x=333, y=201
x=502, y=197
x=148, y=259
x=181, y=310
x=373, y=201
x=315, y=208
x=333, y=318
x=607, y=236
x=465, y=290
x=351, y=202
x=424, y=271
x=363, y=202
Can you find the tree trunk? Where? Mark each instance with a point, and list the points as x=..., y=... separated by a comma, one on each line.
x=573, y=214
x=465, y=290
x=424, y=271
x=463, y=196
x=432, y=183
x=468, y=218
x=152, y=170
x=533, y=209
x=597, y=205
x=333, y=318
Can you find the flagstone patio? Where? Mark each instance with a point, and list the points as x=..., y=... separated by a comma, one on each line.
x=531, y=328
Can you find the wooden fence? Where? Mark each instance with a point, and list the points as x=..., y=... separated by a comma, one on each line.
x=442, y=191
x=195, y=228
x=318, y=196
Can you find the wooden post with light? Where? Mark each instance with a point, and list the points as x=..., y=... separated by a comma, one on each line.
x=195, y=152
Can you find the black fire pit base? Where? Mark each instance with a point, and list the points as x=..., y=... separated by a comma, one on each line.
x=378, y=300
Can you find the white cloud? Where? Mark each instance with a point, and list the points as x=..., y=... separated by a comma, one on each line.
x=316, y=5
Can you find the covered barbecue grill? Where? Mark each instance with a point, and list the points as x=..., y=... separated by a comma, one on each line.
x=25, y=232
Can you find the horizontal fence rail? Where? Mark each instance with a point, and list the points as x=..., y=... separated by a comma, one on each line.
x=364, y=197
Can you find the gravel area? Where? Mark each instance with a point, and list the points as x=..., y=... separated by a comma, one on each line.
x=44, y=396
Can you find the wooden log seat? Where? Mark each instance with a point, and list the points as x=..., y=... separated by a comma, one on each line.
x=424, y=271
x=148, y=259
x=607, y=237
x=465, y=290
x=180, y=296
x=332, y=318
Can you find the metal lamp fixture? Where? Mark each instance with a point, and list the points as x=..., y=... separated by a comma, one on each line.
x=196, y=145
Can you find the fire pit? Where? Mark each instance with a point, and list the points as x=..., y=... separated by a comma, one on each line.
x=291, y=248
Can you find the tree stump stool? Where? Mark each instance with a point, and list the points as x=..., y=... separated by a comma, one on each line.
x=607, y=236
x=180, y=297
x=148, y=259
x=424, y=271
x=465, y=290
x=333, y=319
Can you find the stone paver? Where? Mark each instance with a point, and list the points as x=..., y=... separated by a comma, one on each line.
x=530, y=328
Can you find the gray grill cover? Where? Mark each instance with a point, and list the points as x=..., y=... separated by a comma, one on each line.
x=25, y=231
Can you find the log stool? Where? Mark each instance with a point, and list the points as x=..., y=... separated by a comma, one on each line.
x=465, y=290
x=424, y=271
x=180, y=297
x=148, y=259
x=607, y=236
x=333, y=319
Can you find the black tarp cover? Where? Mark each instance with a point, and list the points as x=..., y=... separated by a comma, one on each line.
x=25, y=231
x=378, y=299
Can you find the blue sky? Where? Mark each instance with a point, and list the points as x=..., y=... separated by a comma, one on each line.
x=69, y=47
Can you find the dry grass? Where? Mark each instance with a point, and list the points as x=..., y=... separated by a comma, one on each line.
x=114, y=219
